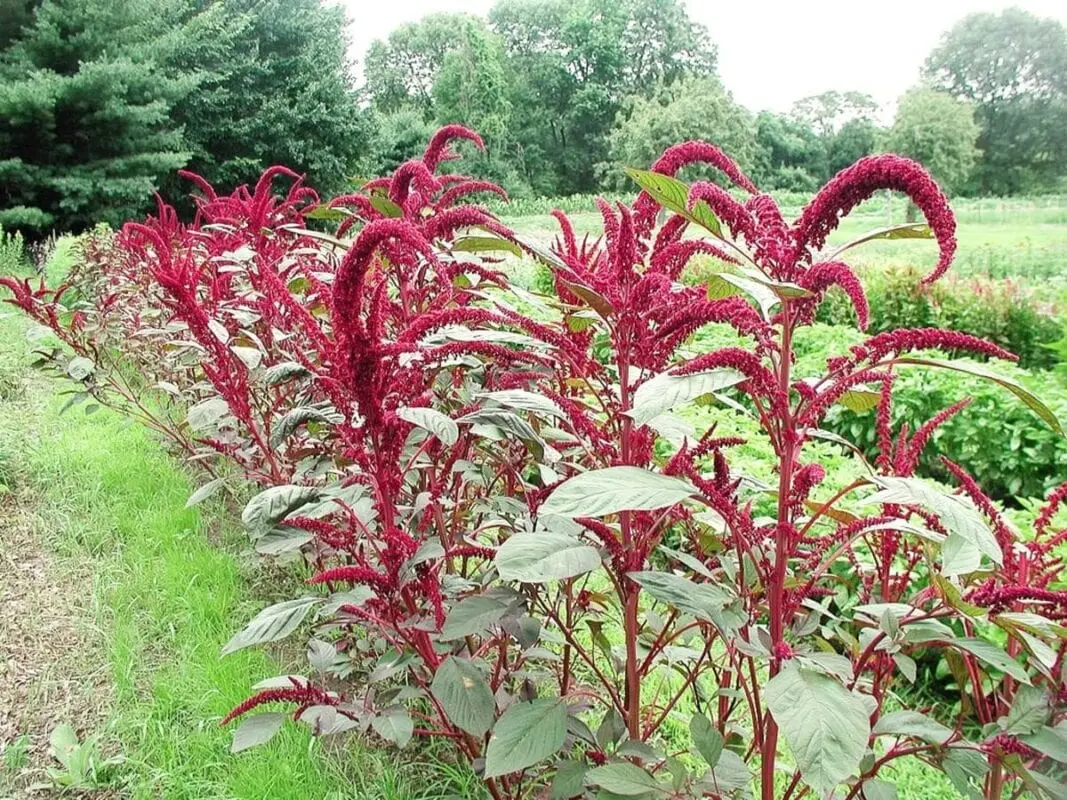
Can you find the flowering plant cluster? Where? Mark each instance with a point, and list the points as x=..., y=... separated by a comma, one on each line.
x=513, y=536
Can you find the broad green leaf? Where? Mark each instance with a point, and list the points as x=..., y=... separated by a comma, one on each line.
x=964, y=767
x=825, y=725
x=272, y=623
x=730, y=773
x=666, y=391
x=699, y=599
x=282, y=539
x=386, y=207
x=273, y=505
x=394, y=725
x=958, y=515
x=283, y=373
x=596, y=301
x=600, y=492
x=879, y=790
x=690, y=561
x=706, y=738
x=860, y=399
x=460, y=688
x=544, y=556
x=525, y=401
x=287, y=424
x=1032, y=401
x=256, y=729
x=912, y=723
x=673, y=195
x=992, y=655
x=207, y=413
x=623, y=778
x=432, y=420
x=569, y=780
x=79, y=368
x=486, y=244
x=324, y=212
x=1030, y=710
x=509, y=423
x=908, y=231
x=1050, y=741
x=527, y=732
x=205, y=491
x=472, y=616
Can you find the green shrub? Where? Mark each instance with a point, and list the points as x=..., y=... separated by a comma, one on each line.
x=12, y=253
x=1002, y=311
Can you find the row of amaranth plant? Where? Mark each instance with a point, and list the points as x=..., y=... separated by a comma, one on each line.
x=515, y=545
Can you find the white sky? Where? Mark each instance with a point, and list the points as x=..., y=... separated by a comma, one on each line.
x=773, y=52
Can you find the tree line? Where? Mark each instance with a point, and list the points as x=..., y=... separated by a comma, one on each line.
x=101, y=101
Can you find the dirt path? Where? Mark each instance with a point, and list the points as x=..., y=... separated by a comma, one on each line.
x=52, y=666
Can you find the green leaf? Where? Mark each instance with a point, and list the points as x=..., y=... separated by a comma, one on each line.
x=1050, y=741
x=287, y=424
x=730, y=773
x=205, y=491
x=596, y=301
x=273, y=505
x=912, y=723
x=432, y=420
x=666, y=391
x=256, y=729
x=907, y=231
x=386, y=207
x=600, y=492
x=825, y=725
x=699, y=599
x=544, y=556
x=992, y=655
x=472, y=616
x=207, y=413
x=569, y=780
x=1030, y=710
x=706, y=738
x=509, y=423
x=624, y=779
x=525, y=734
x=964, y=767
x=282, y=539
x=486, y=244
x=463, y=693
x=283, y=373
x=394, y=725
x=525, y=401
x=860, y=399
x=879, y=790
x=958, y=515
x=272, y=623
x=79, y=368
x=1030, y=400
x=673, y=195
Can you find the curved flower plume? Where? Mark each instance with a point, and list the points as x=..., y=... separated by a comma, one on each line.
x=672, y=160
x=437, y=150
x=834, y=273
x=857, y=183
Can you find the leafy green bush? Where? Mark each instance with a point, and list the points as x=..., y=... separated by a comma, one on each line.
x=999, y=310
x=12, y=253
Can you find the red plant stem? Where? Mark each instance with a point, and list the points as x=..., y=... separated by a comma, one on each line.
x=776, y=610
x=628, y=595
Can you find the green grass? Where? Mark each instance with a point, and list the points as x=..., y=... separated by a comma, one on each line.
x=167, y=593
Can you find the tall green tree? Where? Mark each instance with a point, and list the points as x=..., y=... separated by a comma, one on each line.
x=844, y=125
x=275, y=86
x=690, y=108
x=939, y=132
x=789, y=156
x=400, y=71
x=1013, y=67
x=85, y=129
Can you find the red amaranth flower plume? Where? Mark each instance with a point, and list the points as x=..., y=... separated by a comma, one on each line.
x=1049, y=509
x=437, y=150
x=906, y=339
x=825, y=274
x=303, y=694
x=857, y=183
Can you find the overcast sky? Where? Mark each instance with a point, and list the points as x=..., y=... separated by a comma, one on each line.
x=772, y=53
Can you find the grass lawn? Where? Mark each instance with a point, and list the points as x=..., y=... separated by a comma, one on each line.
x=116, y=603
